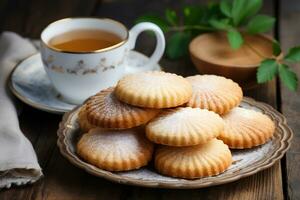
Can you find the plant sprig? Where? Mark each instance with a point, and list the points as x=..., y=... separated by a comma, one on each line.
x=182, y=26
x=279, y=65
x=235, y=17
x=240, y=15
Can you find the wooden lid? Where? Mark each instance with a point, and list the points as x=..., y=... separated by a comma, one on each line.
x=215, y=49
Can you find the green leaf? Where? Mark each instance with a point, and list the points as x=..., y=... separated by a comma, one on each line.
x=154, y=19
x=238, y=11
x=243, y=9
x=288, y=77
x=220, y=24
x=252, y=7
x=177, y=45
x=171, y=17
x=235, y=38
x=293, y=55
x=260, y=24
x=266, y=71
x=225, y=7
x=276, y=48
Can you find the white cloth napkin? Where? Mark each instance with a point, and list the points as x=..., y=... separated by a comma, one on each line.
x=18, y=161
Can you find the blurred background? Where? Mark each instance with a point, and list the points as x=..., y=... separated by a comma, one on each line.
x=30, y=17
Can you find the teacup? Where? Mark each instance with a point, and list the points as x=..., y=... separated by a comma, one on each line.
x=78, y=75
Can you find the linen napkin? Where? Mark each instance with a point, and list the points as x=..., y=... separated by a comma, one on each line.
x=18, y=161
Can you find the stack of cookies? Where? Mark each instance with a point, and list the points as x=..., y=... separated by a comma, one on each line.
x=193, y=121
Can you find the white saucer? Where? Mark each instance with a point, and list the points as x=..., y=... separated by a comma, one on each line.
x=30, y=83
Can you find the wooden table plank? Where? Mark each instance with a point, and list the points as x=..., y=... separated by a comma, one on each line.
x=289, y=37
x=63, y=180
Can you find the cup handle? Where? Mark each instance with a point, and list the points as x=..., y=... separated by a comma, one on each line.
x=159, y=49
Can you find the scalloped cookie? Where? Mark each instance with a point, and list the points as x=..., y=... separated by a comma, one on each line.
x=84, y=124
x=154, y=89
x=106, y=111
x=246, y=128
x=208, y=159
x=114, y=150
x=214, y=93
x=184, y=127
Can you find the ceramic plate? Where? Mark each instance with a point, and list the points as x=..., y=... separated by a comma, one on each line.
x=245, y=162
x=30, y=83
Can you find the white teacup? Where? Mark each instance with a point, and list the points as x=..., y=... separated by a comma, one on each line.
x=78, y=75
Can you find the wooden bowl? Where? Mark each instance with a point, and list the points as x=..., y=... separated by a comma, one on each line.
x=211, y=54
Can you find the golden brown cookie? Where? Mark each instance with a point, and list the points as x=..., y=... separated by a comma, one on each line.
x=84, y=124
x=106, y=111
x=184, y=127
x=214, y=93
x=154, y=89
x=246, y=128
x=198, y=161
x=115, y=150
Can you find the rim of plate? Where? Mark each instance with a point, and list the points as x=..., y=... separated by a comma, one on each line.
x=284, y=144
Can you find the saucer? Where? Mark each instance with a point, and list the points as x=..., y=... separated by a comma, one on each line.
x=30, y=83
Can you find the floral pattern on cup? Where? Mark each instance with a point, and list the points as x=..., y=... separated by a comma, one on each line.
x=80, y=68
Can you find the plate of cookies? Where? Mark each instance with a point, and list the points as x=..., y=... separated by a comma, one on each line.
x=158, y=129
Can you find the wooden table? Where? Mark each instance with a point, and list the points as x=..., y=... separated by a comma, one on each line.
x=64, y=181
